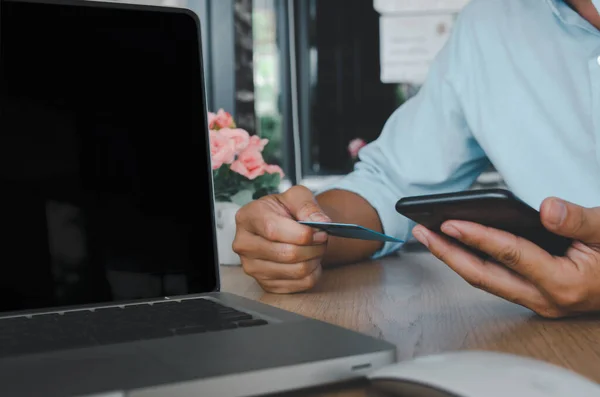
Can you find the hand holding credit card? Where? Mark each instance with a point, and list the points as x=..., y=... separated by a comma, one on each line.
x=347, y=230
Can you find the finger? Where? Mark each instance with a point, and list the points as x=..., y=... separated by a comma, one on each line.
x=292, y=286
x=262, y=221
x=482, y=274
x=520, y=255
x=571, y=220
x=253, y=246
x=263, y=270
x=302, y=205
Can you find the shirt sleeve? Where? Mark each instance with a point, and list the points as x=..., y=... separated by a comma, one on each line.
x=425, y=147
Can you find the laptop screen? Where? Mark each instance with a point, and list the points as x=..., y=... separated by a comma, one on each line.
x=104, y=166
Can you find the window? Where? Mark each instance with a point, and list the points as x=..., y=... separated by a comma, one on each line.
x=267, y=79
x=343, y=96
x=307, y=78
x=340, y=90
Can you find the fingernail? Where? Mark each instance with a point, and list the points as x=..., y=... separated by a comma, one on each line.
x=318, y=217
x=320, y=237
x=420, y=236
x=557, y=212
x=451, y=231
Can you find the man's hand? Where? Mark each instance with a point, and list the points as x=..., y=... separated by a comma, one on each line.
x=281, y=254
x=520, y=271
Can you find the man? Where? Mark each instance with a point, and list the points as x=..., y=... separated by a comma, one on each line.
x=517, y=85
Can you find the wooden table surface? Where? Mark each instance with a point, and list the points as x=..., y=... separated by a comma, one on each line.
x=416, y=302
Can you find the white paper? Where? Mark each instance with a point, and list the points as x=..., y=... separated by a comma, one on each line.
x=409, y=44
x=418, y=6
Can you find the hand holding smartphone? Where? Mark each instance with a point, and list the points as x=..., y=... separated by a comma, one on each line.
x=496, y=208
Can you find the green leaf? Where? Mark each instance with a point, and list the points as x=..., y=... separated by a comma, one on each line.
x=267, y=181
x=242, y=197
x=226, y=183
x=233, y=187
x=261, y=193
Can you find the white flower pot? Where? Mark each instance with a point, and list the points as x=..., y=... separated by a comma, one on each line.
x=225, y=220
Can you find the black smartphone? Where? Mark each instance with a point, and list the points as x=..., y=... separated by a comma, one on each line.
x=496, y=208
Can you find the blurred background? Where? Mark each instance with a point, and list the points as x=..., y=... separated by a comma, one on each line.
x=313, y=75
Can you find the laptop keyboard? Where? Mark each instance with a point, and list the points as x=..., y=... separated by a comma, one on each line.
x=103, y=326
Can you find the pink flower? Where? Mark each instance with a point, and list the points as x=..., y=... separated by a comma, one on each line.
x=221, y=119
x=250, y=163
x=222, y=150
x=257, y=144
x=211, y=120
x=354, y=147
x=238, y=136
x=274, y=169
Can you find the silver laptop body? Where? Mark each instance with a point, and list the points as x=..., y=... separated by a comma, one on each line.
x=109, y=283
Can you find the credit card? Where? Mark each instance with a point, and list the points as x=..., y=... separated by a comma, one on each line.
x=347, y=230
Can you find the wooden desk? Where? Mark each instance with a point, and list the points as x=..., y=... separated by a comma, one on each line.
x=416, y=302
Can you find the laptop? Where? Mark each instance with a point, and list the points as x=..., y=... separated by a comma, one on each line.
x=110, y=279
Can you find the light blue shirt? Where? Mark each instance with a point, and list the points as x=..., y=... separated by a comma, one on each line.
x=517, y=85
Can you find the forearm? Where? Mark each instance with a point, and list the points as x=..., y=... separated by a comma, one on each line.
x=346, y=207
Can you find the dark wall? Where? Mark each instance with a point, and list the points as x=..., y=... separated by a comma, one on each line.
x=349, y=99
x=244, y=75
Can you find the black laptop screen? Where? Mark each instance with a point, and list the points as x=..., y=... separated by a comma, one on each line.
x=104, y=173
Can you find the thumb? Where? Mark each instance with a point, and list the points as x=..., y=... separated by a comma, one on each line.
x=302, y=205
x=571, y=220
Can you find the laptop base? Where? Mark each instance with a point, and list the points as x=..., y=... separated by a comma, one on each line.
x=289, y=353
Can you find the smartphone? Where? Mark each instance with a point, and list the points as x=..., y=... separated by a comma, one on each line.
x=496, y=208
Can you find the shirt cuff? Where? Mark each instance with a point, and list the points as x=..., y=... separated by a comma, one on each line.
x=393, y=223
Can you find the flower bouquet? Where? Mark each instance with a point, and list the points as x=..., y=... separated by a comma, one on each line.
x=240, y=173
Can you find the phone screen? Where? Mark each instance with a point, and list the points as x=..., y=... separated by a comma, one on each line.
x=495, y=208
